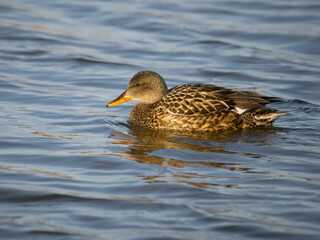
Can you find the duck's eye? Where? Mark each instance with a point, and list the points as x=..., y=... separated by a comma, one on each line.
x=137, y=85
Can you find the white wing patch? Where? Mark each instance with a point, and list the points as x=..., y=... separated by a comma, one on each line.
x=240, y=110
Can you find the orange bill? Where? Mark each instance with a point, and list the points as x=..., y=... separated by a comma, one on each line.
x=121, y=99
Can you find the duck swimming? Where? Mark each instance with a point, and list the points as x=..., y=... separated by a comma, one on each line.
x=194, y=106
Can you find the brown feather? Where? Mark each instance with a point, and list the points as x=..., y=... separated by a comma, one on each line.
x=198, y=107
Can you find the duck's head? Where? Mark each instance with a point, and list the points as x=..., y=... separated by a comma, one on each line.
x=145, y=86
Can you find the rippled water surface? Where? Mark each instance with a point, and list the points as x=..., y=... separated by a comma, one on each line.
x=72, y=169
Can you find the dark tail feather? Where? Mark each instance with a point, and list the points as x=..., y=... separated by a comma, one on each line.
x=273, y=99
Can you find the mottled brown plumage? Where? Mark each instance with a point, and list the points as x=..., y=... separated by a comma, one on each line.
x=199, y=107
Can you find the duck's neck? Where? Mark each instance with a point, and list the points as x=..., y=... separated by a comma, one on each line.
x=142, y=113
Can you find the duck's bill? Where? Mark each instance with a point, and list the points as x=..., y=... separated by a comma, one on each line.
x=121, y=99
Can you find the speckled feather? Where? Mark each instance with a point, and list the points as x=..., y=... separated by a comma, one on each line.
x=194, y=107
x=205, y=108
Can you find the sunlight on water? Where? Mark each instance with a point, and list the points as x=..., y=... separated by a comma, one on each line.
x=70, y=168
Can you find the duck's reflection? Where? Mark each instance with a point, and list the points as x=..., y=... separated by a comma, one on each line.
x=192, y=150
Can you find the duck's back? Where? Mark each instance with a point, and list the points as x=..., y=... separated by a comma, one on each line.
x=206, y=108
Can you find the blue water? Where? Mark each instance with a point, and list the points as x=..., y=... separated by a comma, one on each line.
x=72, y=169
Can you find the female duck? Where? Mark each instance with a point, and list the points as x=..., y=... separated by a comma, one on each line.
x=199, y=107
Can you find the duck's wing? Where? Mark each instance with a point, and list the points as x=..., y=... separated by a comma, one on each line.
x=203, y=99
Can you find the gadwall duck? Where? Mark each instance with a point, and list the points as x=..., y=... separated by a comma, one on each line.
x=194, y=106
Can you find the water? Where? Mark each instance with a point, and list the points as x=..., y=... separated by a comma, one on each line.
x=73, y=169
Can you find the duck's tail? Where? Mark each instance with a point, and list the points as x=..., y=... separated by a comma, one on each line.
x=259, y=117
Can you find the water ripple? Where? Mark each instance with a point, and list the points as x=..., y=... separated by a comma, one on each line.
x=73, y=169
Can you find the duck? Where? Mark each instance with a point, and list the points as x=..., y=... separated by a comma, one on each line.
x=194, y=106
